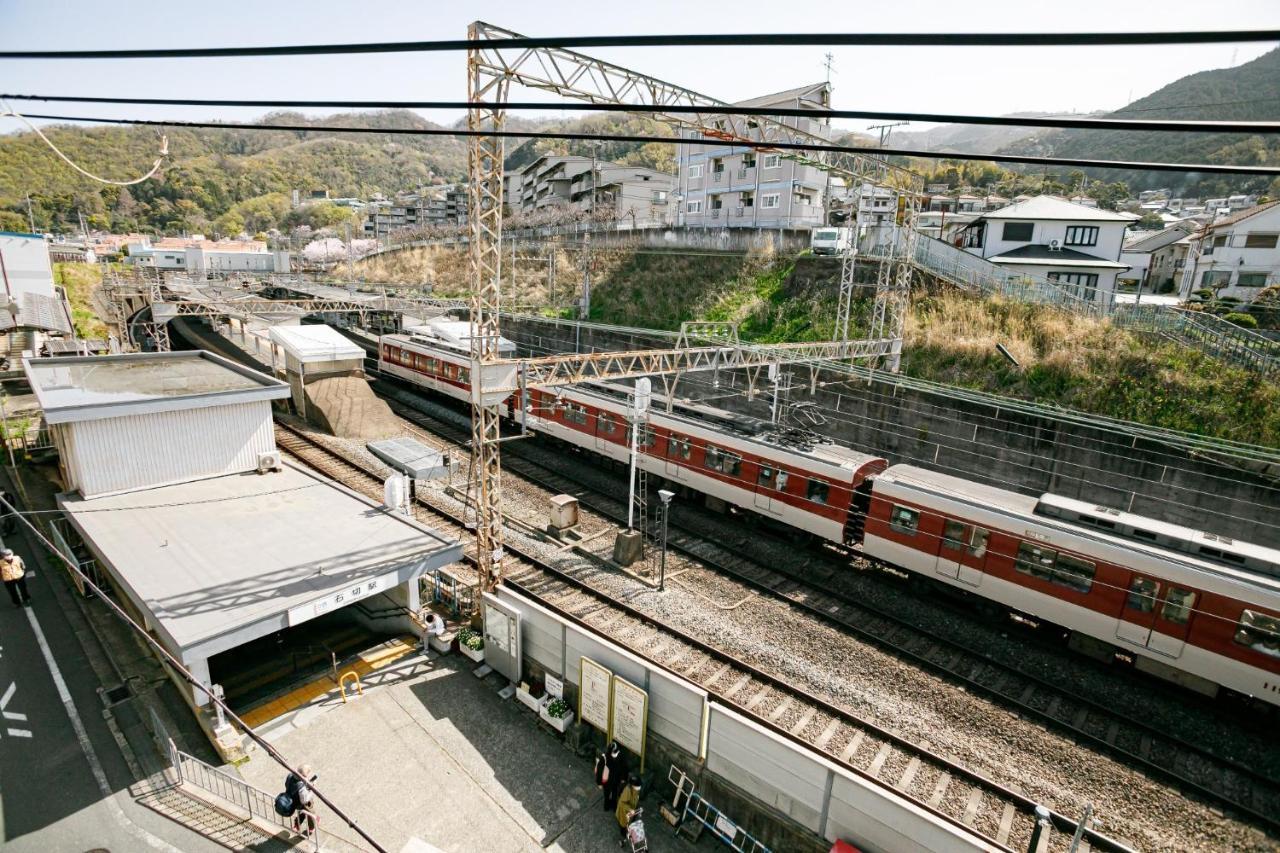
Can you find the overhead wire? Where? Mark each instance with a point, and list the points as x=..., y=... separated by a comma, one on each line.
x=155, y=167
x=1086, y=123
x=1129, y=165
x=519, y=42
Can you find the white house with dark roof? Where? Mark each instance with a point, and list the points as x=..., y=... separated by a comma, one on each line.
x=1153, y=261
x=1050, y=237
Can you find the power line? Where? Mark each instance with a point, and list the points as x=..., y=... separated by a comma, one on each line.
x=1136, y=165
x=679, y=40
x=1074, y=123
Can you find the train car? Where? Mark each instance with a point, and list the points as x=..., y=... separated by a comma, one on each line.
x=792, y=478
x=436, y=356
x=1194, y=608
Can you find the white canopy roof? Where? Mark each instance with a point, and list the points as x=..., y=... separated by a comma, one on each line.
x=310, y=344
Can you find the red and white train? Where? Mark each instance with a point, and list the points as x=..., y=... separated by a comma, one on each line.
x=1195, y=608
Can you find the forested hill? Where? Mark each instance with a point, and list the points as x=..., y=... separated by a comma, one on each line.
x=1249, y=92
x=217, y=179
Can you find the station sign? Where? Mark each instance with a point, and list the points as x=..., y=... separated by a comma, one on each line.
x=343, y=597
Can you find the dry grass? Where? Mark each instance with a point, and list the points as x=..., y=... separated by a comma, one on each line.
x=82, y=282
x=445, y=270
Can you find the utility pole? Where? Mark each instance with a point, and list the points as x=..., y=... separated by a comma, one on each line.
x=886, y=130
x=827, y=62
x=31, y=219
x=585, y=308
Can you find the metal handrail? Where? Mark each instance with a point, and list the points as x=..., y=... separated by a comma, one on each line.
x=258, y=803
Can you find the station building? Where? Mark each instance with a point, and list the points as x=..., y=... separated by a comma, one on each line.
x=234, y=559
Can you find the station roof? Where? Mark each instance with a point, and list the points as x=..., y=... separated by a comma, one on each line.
x=311, y=344
x=86, y=388
x=222, y=561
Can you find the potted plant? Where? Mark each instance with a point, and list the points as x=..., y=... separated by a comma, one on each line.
x=556, y=713
x=471, y=644
x=530, y=695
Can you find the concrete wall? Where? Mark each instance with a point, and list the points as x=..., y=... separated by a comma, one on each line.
x=978, y=437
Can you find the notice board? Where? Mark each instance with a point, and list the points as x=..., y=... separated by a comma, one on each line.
x=594, y=693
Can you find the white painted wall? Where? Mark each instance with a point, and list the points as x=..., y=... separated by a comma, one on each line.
x=26, y=265
x=1233, y=259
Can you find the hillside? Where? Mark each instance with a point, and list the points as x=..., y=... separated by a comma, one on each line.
x=1249, y=92
x=963, y=137
x=246, y=175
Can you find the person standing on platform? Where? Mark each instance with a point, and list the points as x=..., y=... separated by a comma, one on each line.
x=628, y=801
x=616, y=765
x=13, y=571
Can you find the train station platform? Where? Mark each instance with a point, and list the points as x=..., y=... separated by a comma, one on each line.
x=218, y=563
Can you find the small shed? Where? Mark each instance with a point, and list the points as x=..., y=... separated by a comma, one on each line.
x=315, y=352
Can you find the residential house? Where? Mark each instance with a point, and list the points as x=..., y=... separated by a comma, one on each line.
x=1077, y=246
x=31, y=306
x=1153, y=263
x=1237, y=255
x=740, y=187
x=200, y=256
x=632, y=196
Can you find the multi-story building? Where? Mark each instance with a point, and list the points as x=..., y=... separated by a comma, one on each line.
x=731, y=187
x=632, y=196
x=200, y=256
x=1237, y=255
x=1077, y=246
x=1155, y=258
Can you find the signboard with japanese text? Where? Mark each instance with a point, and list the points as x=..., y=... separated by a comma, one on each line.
x=555, y=687
x=594, y=692
x=629, y=718
x=341, y=598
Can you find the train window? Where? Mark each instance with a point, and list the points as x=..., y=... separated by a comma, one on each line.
x=818, y=491
x=782, y=478
x=955, y=535
x=1177, y=605
x=1259, y=632
x=723, y=461
x=649, y=438
x=1036, y=560
x=1142, y=594
x=766, y=477
x=1139, y=533
x=433, y=365
x=679, y=447
x=575, y=413
x=386, y=352
x=1074, y=573
x=607, y=424
x=978, y=542
x=904, y=520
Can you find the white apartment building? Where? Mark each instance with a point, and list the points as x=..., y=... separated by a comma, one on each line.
x=1237, y=255
x=1077, y=246
x=1151, y=259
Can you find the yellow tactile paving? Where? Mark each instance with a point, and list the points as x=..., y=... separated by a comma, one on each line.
x=367, y=662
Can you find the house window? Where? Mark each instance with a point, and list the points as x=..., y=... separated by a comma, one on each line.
x=659, y=195
x=695, y=170
x=1252, y=279
x=1018, y=232
x=1081, y=235
x=695, y=206
x=818, y=491
x=717, y=166
x=904, y=520
x=769, y=200
x=1259, y=632
x=1260, y=241
x=716, y=202
x=975, y=237
x=770, y=161
x=748, y=200
x=1213, y=278
x=1080, y=283
x=748, y=161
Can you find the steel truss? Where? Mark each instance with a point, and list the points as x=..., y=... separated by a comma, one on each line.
x=491, y=69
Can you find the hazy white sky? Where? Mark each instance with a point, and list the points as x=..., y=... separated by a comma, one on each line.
x=959, y=79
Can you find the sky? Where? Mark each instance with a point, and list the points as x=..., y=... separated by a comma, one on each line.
x=926, y=79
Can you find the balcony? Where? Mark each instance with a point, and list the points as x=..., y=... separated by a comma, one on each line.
x=717, y=176
x=715, y=212
x=742, y=172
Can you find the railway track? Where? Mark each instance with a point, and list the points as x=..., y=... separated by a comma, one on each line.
x=1188, y=766
x=951, y=791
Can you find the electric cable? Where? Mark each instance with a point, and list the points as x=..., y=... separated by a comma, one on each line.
x=155, y=167
x=1168, y=126
x=1129, y=165
x=519, y=42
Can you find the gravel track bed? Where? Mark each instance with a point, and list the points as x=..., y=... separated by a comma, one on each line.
x=813, y=656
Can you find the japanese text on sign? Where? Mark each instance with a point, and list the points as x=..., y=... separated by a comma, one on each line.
x=630, y=715
x=346, y=595
x=593, y=693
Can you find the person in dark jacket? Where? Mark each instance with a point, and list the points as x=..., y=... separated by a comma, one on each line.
x=616, y=765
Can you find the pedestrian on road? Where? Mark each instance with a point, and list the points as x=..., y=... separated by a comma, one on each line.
x=303, y=798
x=616, y=765
x=13, y=571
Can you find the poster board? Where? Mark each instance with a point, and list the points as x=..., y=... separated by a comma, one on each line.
x=629, y=716
x=595, y=694
x=502, y=649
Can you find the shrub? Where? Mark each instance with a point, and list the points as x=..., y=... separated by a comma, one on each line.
x=1230, y=300
x=1203, y=293
x=1244, y=321
x=470, y=639
x=557, y=708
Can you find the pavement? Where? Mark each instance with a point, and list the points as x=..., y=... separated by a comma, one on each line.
x=435, y=758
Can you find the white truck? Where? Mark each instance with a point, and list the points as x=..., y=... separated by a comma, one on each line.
x=830, y=241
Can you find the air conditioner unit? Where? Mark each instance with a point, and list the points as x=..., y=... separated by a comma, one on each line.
x=269, y=460
x=1055, y=245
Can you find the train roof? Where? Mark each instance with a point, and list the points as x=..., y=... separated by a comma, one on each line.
x=1196, y=548
x=796, y=441
x=454, y=335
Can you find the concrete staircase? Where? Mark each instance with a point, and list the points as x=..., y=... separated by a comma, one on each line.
x=347, y=407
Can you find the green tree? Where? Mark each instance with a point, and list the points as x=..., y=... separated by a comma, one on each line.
x=1150, y=221
x=10, y=221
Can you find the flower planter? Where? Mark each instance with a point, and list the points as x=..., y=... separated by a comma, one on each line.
x=557, y=723
x=477, y=656
x=533, y=703
x=442, y=644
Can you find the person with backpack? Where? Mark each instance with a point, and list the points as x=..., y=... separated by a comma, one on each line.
x=13, y=571
x=298, y=798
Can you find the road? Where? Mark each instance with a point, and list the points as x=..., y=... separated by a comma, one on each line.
x=64, y=779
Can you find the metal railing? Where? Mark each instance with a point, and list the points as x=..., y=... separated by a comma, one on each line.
x=1207, y=332
x=257, y=803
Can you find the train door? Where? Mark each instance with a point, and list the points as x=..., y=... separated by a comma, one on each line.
x=962, y=552
x=1168, y=620
x=604, y=425
x=766, y=484
x=679, y=452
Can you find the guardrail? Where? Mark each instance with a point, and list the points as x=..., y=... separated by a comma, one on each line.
x=259, y=804
x=1207, y=332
